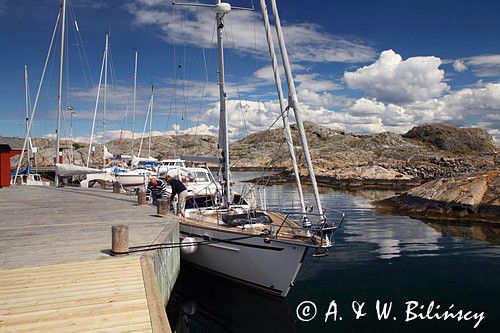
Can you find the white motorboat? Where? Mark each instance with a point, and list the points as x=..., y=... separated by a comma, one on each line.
x=166, y=166
x=199, y=182
x=234, y=236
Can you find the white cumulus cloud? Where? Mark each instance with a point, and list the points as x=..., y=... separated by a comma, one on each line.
x=307, y=42
x=394, y=80
x=459, y=65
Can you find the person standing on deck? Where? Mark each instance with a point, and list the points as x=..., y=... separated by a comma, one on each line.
x=179, y=189
x=156, y=189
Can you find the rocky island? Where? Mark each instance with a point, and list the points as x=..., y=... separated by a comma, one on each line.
x=422, y=154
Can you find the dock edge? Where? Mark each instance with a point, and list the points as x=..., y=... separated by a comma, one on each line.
x=160, y=269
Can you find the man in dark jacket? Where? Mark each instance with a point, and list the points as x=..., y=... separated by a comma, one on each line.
x=179, y=189
x=156, y=189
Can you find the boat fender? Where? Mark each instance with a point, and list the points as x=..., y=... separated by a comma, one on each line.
x=189, y=308
x=189, y=245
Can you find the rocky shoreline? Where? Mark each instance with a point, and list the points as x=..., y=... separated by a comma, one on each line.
x=286, y=176
x=466, y=199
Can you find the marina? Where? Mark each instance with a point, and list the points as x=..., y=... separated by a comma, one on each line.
x=249, y=166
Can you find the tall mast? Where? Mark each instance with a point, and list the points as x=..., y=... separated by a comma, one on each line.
x=26, y=99
x=27, y=103
x=133, y=108
x=284, y=111
x=37, y=96
x=293, y=102
x=105, y=101
x=223, y=9
x=59, y=94
x=95, y=108
x=151, y=120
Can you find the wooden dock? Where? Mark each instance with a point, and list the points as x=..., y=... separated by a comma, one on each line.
x=56, y=274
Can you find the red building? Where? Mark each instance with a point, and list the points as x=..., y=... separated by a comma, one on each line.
x=6, y=152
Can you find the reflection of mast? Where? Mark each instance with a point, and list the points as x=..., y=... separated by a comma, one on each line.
x=59, y=95
x=293, y=102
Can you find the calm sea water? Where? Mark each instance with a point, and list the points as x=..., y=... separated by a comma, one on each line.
x=376, y=257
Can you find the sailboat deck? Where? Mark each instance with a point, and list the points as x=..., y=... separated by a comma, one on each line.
x=288, y=228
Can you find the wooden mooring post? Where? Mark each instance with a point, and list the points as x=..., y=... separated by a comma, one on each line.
x=162, y=208
x=141, y=198
x=116, y=187
x=119, y=239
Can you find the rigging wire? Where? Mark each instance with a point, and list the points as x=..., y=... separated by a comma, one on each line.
x=37, y=97
x=229, y=32
x=82, y=44
x=254, y=19
x=185, y=81
x=176, y=72
x=206, y=81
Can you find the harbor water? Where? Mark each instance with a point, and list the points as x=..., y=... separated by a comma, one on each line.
x=386, y=259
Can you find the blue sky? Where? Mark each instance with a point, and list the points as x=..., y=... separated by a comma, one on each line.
x=360, y=66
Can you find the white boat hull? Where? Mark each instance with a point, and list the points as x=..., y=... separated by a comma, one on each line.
x=105, y=178
x=68, y=170
x=271, y=267
x=128, y=180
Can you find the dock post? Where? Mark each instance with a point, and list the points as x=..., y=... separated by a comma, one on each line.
x=141, y=198
x=116, y=187
x=119, y=239
x=162, y=208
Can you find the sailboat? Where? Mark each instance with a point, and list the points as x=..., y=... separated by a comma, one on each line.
x=26, y=176
x=143, y=171
x=233, y=235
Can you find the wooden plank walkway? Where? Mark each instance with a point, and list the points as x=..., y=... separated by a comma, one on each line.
x=93, y=296
x=47, y=225
x=56, y=274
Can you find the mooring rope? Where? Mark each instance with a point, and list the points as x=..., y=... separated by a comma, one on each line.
x=152, y=247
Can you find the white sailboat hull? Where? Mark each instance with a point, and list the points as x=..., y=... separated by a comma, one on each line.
x=271, y=267
x=68, y=170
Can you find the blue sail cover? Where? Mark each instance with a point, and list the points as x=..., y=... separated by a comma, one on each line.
x=25, y=171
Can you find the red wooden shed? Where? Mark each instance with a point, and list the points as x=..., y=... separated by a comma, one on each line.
x=6, y=152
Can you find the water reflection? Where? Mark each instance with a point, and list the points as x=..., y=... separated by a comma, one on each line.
x=480, y=231
x=202, y=302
